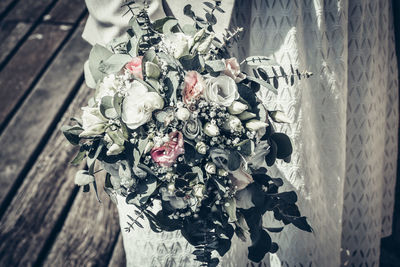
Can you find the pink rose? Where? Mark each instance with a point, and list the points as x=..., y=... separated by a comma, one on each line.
x=232, y=69
x=194, y=86
x=166, y=154
x=135, y=67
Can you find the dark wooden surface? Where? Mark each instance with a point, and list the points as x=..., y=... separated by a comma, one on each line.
x=45, y=220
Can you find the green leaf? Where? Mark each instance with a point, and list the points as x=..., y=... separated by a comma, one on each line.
x=172, y=82
x=117, y=102
x=72, y=133
x=246, y=147
x=192, y=62
x=79, y=157
x=91, y=160
x=114, y=63
x=263, y=83
x=189, y=29
x=107, y=107
x=97, y=55
x=136, y=28
x=210, y=5
x=133, y=46
x=234, y=161
x=89, y=79
x=215, y=65
x=158, y=24
x=257, y=60
x=169, y=25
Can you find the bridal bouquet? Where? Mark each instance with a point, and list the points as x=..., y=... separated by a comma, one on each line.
x=175, y=120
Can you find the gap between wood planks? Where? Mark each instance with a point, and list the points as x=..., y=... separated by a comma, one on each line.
x=9, y=116
x=33, y=26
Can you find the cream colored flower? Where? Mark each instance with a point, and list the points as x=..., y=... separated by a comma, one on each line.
x=221, y=90
x=138, y=106
x=93, y=123
x=211, y=129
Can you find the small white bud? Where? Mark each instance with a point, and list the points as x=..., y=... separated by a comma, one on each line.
x=211, y=129
x=237, y=108
x=255, y=125
x=182, y=114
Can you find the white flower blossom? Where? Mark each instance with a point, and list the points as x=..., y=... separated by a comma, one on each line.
x=138, y=106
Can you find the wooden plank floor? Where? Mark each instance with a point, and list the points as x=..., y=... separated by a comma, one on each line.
x=45, y=220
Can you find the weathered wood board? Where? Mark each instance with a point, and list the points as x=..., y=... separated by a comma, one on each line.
x=43, y=197
x=29, y=126
x=18, y=75
x=89, y=233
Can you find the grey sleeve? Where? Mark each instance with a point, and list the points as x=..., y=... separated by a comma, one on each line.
x=107, y=21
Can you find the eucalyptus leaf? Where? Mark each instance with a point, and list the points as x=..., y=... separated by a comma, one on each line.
x=89, y=79
x=169, y=26
x=79, y=157
x=257, y=60
x=159, y=24
x=107, y=107
x=263, y=83
x=114, y=63
x=97, y=55
x=215, y=65
x=72, y=133
x=136, y=28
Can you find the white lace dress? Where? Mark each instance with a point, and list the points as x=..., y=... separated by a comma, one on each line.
x=344, y=130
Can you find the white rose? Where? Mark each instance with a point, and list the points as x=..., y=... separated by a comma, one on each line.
x=211, y=129
x=232, y=69
x=233, y=123
x=255, y=125
x=237, y=108
x=178, y=43
x=138, y=106
x=93, y=123
x=182, y=114
x=221, y=90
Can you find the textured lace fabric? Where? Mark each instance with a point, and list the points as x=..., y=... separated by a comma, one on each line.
x=344, y=131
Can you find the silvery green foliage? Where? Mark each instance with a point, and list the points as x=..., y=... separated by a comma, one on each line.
x=174, y=119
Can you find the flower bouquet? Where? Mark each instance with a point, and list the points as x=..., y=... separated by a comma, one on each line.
x=175, y=120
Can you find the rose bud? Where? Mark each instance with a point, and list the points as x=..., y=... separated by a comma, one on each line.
x=279, y=116
x=182, y=114
x=255, y=125
x=232, y=69
x=222, y=172
x=211, y=129
x=194, y=87
x=201, y=148
x=233, y=124
x=237, y=108
x=210, y=168
x=135, y=67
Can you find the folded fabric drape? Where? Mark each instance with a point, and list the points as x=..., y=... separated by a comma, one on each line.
x=344, y=122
